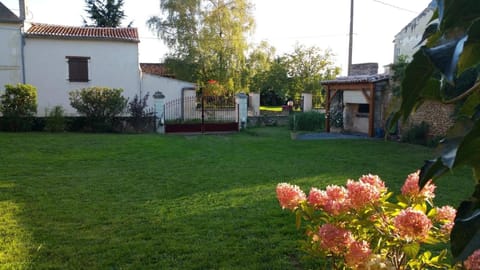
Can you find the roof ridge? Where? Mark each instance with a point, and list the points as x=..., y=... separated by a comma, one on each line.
x=43, y=30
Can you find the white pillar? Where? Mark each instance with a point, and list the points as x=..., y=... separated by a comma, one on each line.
x=307, y=102
x=254, y=103
x=242, y=107
x=159, y=104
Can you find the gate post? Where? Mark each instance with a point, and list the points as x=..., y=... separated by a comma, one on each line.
x=159, y=104
x=242, y=107
x=307, y=102
x=254, y=103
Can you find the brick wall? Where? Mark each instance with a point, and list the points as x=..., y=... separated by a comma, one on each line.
x=364, y=69
x=437, y=115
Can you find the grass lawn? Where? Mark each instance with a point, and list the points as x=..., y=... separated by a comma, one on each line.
x=106, y=201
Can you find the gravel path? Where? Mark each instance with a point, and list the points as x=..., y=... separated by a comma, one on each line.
x=329, y=136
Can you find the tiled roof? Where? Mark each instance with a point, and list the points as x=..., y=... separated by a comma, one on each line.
x=155, y=69
x=358, y=79
x=75, y=32
x=7, y=16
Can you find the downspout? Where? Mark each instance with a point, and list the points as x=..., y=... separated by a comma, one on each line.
x=22, y=8
x=22, y=54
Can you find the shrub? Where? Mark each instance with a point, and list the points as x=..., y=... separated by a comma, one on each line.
x=99, y=105
x=308, y=121
x=138, y=112
x=359, y=226
x=417, y=134
x=18, y=104
x=55, y=121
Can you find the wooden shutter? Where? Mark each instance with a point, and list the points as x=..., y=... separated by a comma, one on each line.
x=78, y=68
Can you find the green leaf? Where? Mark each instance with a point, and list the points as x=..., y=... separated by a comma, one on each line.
x=471, y=52
x=471, y=105
x=459, y=14
x=446, y=55
x=469, y=149
x=417, y=77
x=448, y=150
x=298, y=219
x=411, y=249
x=465, y=236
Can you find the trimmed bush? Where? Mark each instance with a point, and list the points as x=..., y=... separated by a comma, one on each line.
x=18, y=105
x=99, y=105
x=307, y=121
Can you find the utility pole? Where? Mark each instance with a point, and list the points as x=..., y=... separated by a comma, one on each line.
x=350, y=41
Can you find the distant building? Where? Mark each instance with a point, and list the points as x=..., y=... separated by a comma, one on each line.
x=408, y=39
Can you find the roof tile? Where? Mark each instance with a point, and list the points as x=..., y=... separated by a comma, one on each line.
x=38, y=30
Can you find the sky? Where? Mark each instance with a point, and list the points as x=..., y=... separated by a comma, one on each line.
x=282, y=23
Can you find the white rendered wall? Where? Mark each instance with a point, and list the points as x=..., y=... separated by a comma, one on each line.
x=170, y=88
x=406, y=41
x=112, y=64
x=10, y=55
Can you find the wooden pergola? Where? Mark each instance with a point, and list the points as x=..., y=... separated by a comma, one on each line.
x=365, y=84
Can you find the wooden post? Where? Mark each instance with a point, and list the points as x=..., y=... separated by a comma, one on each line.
x=371, y=116
x=327, y=111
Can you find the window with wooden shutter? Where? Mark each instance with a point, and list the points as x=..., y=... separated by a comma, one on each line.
x=78, y=68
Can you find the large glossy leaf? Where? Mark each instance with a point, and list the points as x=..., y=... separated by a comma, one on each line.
x=458, y=14
x=465, y=235
x=469, y=150
x=447, y=152
x=417, y=77
x=446, y=55
x=471, y=52
x=470, y=106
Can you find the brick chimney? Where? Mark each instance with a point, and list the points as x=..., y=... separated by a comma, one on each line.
x=364, y=69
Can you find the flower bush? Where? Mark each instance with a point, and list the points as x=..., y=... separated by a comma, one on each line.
x=360, y=226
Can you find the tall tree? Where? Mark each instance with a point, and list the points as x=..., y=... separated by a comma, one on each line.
x=209, y=35
x=308, y=66
x=104, y=13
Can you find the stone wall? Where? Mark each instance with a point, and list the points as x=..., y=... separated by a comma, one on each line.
x=437, y=115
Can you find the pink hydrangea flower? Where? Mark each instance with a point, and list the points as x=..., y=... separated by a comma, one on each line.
x=361, y=194
x=445, y=213
x=373, y=180
x=337, y=200
x=289, y=196
x=411, y=189
x=447, y=228
x=335, y=239
x=358, y=254
x=473, y=262
x=317, y=198
x=412, y=224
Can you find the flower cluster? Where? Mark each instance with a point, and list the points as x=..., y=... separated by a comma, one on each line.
x=358, y=227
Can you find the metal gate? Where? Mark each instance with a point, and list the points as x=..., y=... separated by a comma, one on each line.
x=201, y=114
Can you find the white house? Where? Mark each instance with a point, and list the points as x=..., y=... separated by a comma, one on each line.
x=57, y=59
x=60, y=59
x=406, y=41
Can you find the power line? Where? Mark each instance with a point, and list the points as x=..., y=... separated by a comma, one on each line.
x=396, y=7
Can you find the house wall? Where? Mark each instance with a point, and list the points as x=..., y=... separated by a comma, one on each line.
x=407, y=39
x=112, y=64
x=171, y=88
x=10, y=54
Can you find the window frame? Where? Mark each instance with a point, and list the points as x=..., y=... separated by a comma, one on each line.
x=78, y=68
